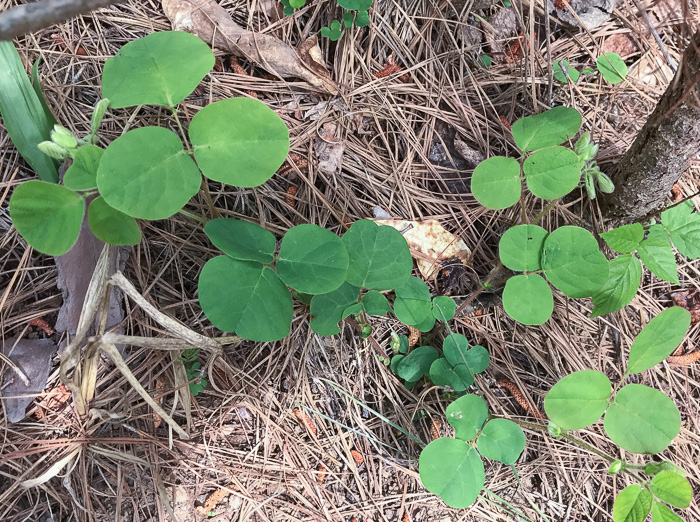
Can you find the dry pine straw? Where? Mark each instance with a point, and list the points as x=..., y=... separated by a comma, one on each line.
x=246, y=439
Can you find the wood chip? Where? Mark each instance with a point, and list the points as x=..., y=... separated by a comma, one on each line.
x=357, y=456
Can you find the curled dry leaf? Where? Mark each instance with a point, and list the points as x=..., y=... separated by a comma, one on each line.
x=321, y=473
x=304, y=419
x=677, y=192
x=41, y=323
x=430, y=244
x=51, y=401
x=683, y=360
x=212, y=500
x=291, y=194
x=214, y=25
x=329, y=149
x=690, y=300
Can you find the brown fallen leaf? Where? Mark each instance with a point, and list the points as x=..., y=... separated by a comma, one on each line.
x=690, y=300
x=683, y=360
x=430, y=244
x=51, y=400
x=619, y=43
x=214, y=25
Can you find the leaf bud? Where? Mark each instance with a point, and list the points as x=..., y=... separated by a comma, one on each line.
x=554, y=430
x=51, y=149
x=590, y=188
x=616, y=467
x=98, y=114
x=582, y=143
x=605, y=183
x=63, y=137
x=366, y=331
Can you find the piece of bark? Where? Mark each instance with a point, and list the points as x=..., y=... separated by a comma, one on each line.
x=662, y=150
x=592, y=13
x=214, y=25
x=33, y=359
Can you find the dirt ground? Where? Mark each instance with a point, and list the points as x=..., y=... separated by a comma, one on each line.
x=406, y=144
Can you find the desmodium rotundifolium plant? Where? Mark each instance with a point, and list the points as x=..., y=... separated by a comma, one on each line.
x=356, y=14
x=610, y=66
x=148, y=173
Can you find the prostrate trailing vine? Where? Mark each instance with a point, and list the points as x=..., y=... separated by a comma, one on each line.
x=148, y=172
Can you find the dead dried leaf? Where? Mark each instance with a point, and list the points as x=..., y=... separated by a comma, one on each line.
x=651, y=70
x=214, y=25
x=329, y=150
x=619, y=43
x=51, y=401
x=430, y=244
x=690, y=300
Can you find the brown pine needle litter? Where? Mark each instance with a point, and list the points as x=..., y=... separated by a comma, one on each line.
x=398, y=153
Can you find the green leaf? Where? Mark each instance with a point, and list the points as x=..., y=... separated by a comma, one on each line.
x=528, y=299
x=353, y=309
x=395, y=360
x=684, y=227
x=412, y=304
x=453, y=470
x=36, y=85
x=467, y=415
x=239, y=141
x=312, y=260
x=658, y=339
x=551, y=127
x=348, y=19
x=642, y=419
x=22, y=113
x=632, y=504
x=355, y=5
x=146, y=174
x=362, y=19
x=573, y=263
x=520, y=248
x=562, y=68
x=578, y=400
x=241, y=240
x=656, y=253
x=611, y=67
x=375, y=303
x=48, y=216
x=652, y=468
x=496, y=182
x=417, y=363
x=552, y=172
x=246, y=298
x=426, y=324
x=623, y=282
x=82, y=174
x=327, y=309
x=672, y=489
x=379, y=256
x=162, y=68
x=442, y=373
x=444, y=308
x=111, y=226
x=485, y=60
x=501, y=440
x=662, y=513
x=624, y=239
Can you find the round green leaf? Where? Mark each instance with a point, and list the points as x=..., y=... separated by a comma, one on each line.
x=467, y=415
x=82, y=174
x=375, y=303
x=520, y=248
x=623, y=282
x=146, y=174
x=312, y=260
x=670, y=487
x=496, y=182
x=658, y=339
x=552, y=172
x=327, y=309
x=663, y=513
x=239, y=141
x=578, y=400
x=246, y=298
x=111, y=226
x=353, y=309
x=528, y=299
x=642, y=419
x=573, y=263
x=426, y=324
x=47, y=215
x=656, y=253
x=611, y=67
x=442, y=373
x=162, y=68
x=444, y=308
x=453, y=470
x=412, y=304
x=501, y=440
x=624, y=239
x=549, y=128
x=632, y=504
x=241, y=239
x=379, y=256
x=417, y=363
x=563, y=71
x=455, y=347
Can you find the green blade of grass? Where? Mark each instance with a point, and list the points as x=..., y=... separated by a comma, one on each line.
x=22, y=113
x=36, y=85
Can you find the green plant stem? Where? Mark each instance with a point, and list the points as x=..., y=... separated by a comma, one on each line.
x=207, y=196
x=544, y=211
x=191, y=215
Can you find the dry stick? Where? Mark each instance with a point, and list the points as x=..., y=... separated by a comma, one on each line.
x=38, y=15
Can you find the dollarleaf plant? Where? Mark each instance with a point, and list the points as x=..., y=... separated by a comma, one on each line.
x=149, y=172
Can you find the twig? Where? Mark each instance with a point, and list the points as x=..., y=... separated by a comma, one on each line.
x=38, y=15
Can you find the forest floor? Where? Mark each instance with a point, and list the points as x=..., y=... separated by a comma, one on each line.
x=397, y=142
